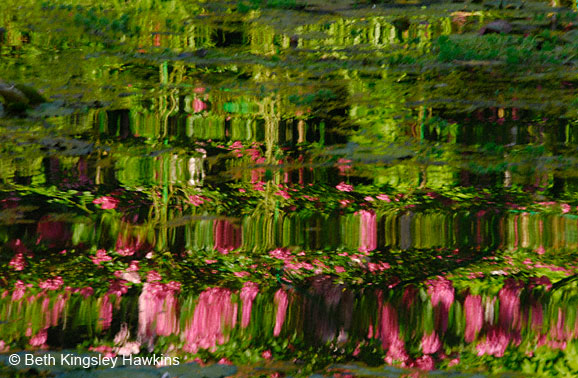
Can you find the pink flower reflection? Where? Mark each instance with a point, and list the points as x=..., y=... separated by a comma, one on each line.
x=215, y=313
x=158, y=308
x=19, y=290
x=227, y=236
x=53, y=313
x=495, y=344
x=39, y=340
x=474, y=317
x=425, y=362
x=248, y=294
x=54, y=232
x=430, y=343
x=441, y=292
x=510, y=304
x=368, y=231
x=105, y=312
x=282, y=303
x=390, y=337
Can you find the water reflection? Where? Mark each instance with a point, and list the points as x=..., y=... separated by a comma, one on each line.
x=364, y=231
x=415, y=326
x=252, y=187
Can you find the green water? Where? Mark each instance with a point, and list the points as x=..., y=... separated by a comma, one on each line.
x=290, y=189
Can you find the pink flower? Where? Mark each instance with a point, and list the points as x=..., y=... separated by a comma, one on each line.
x=383, y=197
x=565, y=208
x=18, y=262
x=128, y=246
x=106, y=202
x=379, y=267
x=339, y=269
x=343, y=166
x=241, y=274
x=345, y=202
x=133, y=277
x=104, y=349
x=267, y=354
x=344, y=187
x=369, y=198
x=197, y=200
x=131, y=347
x=254, y=153
x=19, y=290
x=39, y=339
x=173, y=286
x=100, y=257
x=425, y=362
x=237, y=144
x=153, y=276
x=198, y=105
x=117, y=287
x=281, y=254
x=51, y=283
x=126, y=251
x=86, y=291
x=259, y=186
x=133, y=267
x=283, y=194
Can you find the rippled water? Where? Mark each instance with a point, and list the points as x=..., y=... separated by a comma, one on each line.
x=336, y=190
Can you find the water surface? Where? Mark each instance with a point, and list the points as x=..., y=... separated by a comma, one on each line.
x=343, y=190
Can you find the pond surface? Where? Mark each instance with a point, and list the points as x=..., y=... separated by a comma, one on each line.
x=283, y=189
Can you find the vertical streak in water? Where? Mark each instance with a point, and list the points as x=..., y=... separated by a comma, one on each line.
x=405, y=241
x=282, y=302
x=367, y=231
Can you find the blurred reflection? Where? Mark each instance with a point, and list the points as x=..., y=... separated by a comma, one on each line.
x=442, y=323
